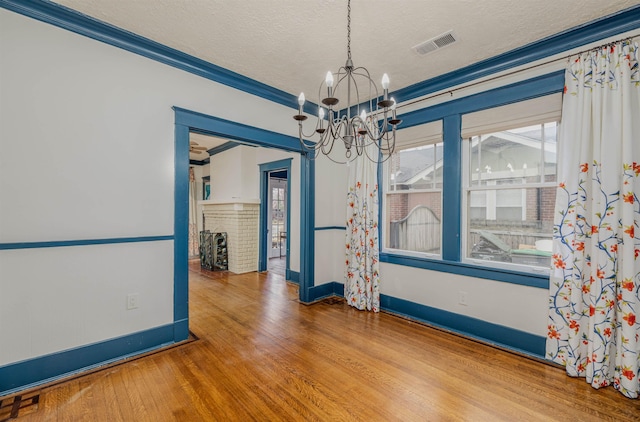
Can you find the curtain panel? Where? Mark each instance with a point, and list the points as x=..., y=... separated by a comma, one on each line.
x=362, y=278
x=594, y=300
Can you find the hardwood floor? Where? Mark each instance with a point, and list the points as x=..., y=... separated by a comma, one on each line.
x=263, y=356
x=277, y=265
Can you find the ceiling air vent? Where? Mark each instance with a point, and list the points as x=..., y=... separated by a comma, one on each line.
x=435, y=43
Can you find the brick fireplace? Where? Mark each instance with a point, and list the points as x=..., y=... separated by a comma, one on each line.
x=240, y=220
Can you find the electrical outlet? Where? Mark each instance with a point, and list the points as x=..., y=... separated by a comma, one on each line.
x=462, y=298
x=132, y=301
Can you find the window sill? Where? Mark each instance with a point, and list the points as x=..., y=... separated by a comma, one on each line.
x=540, y=281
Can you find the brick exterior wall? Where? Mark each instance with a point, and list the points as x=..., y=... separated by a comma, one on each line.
x=398, y=206
x=240, y=222
x=401, y=204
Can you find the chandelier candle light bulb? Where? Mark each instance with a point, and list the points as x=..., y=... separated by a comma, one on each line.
x=363, y=123
x=385, y=86
x=393, y=109
x=321, y=120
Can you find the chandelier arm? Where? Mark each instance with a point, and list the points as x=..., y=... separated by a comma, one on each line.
x=304, y=135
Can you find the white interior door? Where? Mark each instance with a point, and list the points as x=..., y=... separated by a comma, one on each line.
x=277, y=217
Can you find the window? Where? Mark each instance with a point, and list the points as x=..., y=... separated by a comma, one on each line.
x=485, y=168
x=509, y=191
x=413, y=200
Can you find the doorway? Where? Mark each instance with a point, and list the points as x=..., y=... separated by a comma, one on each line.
x=187, y=121
x=277, y=221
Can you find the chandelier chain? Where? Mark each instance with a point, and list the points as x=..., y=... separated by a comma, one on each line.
x=349, y=29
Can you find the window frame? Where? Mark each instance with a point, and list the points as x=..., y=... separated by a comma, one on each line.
x=451, y=113
x=468, y=187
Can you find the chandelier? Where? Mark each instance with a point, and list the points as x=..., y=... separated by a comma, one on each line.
x=351, y=124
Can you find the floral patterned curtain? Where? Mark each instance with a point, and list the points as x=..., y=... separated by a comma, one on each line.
x=361, y=287
x=594, y=288
x=194, y=249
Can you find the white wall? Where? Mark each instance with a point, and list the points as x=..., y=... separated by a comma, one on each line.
x=226, y=175
x=331, y=210
x=97, y=123
x=520, y=307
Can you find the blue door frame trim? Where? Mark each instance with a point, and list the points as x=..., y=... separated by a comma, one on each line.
x=181, y=231
x=307, y=232
x=187, y=120
x=237, y=131
x=265, y=169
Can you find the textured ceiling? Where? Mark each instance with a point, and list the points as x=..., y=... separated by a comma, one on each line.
x=291, y=44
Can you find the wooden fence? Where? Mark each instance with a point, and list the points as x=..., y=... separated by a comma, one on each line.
x=419, y=231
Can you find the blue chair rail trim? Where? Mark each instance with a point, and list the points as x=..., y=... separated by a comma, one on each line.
x=594, y=31
x=47, y=368
x=71, y=20
x=461, y=268
x=82, y=242
x=486, y=332
x=330, y=228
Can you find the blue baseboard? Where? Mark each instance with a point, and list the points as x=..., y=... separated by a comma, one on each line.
x=332, y=288
x=478, y=329
x=29, y=373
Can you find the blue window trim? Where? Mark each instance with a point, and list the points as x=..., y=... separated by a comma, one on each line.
x=462, y=268
x=264, y=203
x=451, y=115
x=321, y=228
x=188, y=120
